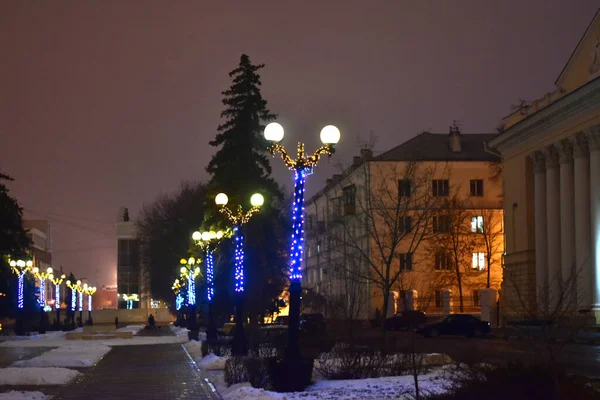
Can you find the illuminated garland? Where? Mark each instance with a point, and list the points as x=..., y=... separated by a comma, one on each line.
x=20, y=300
x=89, y=302
x=80, y=301
x=178, y=301
x=57, y=296
x=239, y=259
x=297, y=225
x=42, y=292
x=210, y=290
x=73, y=300
x=191, y=289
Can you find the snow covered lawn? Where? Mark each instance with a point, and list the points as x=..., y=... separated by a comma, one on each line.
x=131, y=328
x=32, y=376
x=69, y=356
x=136, y=341
x=14, y=395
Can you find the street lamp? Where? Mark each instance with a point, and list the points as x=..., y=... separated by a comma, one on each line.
x=89, y=290
x=208, y=242
x=330, y=135
x=57, y=281
x=190, y=271
x=42, y=276
x=177, y=289
x=20, y=268
x=239, y=347
x=129, y=299
x=73, y=287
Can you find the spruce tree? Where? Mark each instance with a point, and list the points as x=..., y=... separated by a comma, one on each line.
x=240, y=168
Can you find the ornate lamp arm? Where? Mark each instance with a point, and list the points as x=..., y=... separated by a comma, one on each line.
x=314, y=159
x=287, y=160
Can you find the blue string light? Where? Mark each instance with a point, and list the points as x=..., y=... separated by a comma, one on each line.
x=57, y=296
x=73, y=300
x=210, y=290
x=178, y=301
x=89, y=302
x=42, y=292
x=239, y=259
x=297, y=246
x=80, y=301
x=192, y=289
x=20, y=301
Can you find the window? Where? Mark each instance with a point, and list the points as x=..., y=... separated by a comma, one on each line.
x=406, y=262
x=443, y=262
x=405, y=224
x=349, y=195
x=318, y=247
x=404, y=188
x=476, y=298
x=441, y=224
x=477, y=187
x=477, y=224
x=309, y=222
x=308, y=250
x=479, y=261
x=440, y=187
x=439, y=300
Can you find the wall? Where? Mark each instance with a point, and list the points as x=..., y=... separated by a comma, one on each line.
x=135, y=316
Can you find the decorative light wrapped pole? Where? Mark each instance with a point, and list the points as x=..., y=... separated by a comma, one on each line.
x=177, y=289
x=208, y=242
x=301, y=166
x=57, y=281
x=239, y=346
x=73, y=306
x=20, y=268
x=89, y=290
x=42, y=276
x=190, y=271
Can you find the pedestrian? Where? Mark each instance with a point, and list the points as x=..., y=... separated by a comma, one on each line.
x=116, y=322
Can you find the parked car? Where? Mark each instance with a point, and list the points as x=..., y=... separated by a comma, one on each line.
x=456, y=324
x=282, y=320
x=405, y=320
x=312, y=323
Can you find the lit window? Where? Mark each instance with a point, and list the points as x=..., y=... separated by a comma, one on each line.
x=477, y=224
x=479, y=261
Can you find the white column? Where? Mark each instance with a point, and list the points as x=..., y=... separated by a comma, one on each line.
x=541, y=241
x=553, y=222
x=582, y=221
x=567, y=222
x=488, y=298
x=593, y=136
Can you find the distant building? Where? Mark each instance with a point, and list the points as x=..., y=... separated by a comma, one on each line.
x=40, y=234
x=351, y=221
x=105, y=298
x=129, y=274
x=551, y=168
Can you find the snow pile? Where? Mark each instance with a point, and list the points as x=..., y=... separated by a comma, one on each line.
x=68, y=357
x=36, y=376
x=393, y=387
x=194, y=349
x=179, y=330
x=137, y=340
x=13, y=395
x=212, y=362
x=131, y=328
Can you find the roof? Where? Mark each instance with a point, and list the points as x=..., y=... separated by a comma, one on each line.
x=564, y=70
x=436, y=147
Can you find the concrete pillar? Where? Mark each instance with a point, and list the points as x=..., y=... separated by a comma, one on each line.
x=488, y=298
x=553, y=226
x=581, y=165
x=567, y=223
x=447, y=301
x=593, y=136
x=541, y=240
x=410, y=300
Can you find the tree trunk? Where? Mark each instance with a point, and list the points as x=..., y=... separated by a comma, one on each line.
x=460, y=294
x=489, y=265
x=386, y=296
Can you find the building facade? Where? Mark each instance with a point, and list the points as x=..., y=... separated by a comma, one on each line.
x=129, y=274
x=40, y=234
x=551, y=170
x=389, y=219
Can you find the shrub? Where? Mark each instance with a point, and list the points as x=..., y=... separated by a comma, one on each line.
x=258, y=372
x=346, y=361
x=219, y=348
x=290, y=375
x=235, y=371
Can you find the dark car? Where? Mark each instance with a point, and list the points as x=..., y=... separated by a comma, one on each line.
x=312, y=323
x=282, y=320
x=456, y=324
x=405, y=320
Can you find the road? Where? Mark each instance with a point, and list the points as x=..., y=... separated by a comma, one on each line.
x=577, y=358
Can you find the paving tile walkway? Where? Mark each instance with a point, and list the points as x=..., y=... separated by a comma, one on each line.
x=141, y=372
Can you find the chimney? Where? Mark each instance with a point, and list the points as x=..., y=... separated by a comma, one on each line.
x=366, y=154
x=356, y=160
x=126, y=215
x=454, y=138
x=123, y=215
x=328, y=181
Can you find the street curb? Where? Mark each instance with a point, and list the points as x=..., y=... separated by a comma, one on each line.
x=216, y=395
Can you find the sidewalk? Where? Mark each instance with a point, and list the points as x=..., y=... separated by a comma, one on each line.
x=145, y=372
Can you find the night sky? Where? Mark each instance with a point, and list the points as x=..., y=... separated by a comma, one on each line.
x=108, y=104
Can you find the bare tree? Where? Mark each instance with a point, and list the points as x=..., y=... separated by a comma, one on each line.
x=490, y=236
x=454, y=238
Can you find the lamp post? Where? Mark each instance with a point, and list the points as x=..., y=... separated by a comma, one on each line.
x=177, y=287
x=239, y=346
x=208, y=242
x=330, y=135
x=79, y=289
x=20, y=268
x=57, y=281
x=190, y=271
x=89, y=290
x=73, y=306
x=42, y=276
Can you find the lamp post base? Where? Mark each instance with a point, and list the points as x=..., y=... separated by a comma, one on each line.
x=292, y=351
x=239, y=345
x=211, y=330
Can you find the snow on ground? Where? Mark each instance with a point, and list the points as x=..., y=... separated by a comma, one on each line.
x=212, y=362
x=178, y=330
x=144, y=340
x=194, y=349
x=51, y=335
x=131, y=328
x=395, y=387
x=68, y=356
x=36, y=376
x=14, y=395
